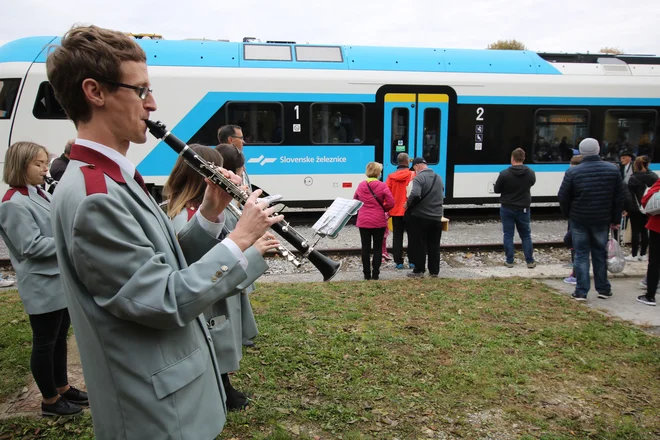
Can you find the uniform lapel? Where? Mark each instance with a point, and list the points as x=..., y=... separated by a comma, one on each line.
x=36, y=198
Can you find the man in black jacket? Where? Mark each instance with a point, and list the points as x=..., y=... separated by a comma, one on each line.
x=515, y=185
x=58, y=166
x=591, y=196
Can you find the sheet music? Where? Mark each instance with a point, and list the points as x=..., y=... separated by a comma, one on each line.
x=336, y=217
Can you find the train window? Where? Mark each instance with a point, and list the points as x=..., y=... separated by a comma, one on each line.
x=337, y=123
x=431, y=144
x=319, y=53
x=400, y=127
x=8, y=94
x=558, y=132
x=46, y=106
x=261, y=121
x=267, y=52
x=632, y=130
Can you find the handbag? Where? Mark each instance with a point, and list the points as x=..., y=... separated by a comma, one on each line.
x=653, y=205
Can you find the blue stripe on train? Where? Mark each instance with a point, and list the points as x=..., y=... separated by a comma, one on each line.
x=161, y=159
x=539, y=168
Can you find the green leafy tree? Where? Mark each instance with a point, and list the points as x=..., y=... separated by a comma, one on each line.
x=611, y=50
x=507, y=45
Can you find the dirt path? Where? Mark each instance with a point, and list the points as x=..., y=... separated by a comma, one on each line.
x=27, y=402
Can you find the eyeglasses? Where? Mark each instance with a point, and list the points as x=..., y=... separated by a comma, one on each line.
x=237, y=137
x=142, y=91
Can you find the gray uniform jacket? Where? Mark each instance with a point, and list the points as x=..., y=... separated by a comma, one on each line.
x=225, y=317
x=25, y=227
x=430, y=207
x=136, y=306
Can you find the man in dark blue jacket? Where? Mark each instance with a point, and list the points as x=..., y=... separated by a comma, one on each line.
x=592, y=197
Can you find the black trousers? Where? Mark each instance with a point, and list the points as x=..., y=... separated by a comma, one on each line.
x=367, y=236
x=424, y=240
x=48, y=360
x=653, y=271
x=399, y=227
x=637, y=223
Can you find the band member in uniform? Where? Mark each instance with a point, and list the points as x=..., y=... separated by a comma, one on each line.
x=184, y=191
x=25, y=227
x=135, y=304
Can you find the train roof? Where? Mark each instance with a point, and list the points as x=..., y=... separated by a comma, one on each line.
x=209, y=53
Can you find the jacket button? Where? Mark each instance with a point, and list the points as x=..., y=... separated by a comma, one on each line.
x=214, y=278
x=218, y=274
x=224, y=268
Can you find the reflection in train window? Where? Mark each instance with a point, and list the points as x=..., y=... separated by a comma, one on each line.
x=400, y=122
x=337, y=123
x=631, y=130
x=261, y=121
x=557, y=134
x=8, y=93
x=431, y=143
x=46, y=106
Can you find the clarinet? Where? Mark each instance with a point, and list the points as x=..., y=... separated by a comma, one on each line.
x=325, y=265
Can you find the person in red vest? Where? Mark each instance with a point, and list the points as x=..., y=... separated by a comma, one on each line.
x=397, y=183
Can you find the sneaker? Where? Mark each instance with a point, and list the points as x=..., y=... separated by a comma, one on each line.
x=605, y=295
x=631, y=258
x=6, y=283
x=577, y=297
x=643, y=258
x=531, y=265
x=411, y=266
x=570, y=280
x=74, y=395
x=644, y=300
x=509, y=265
x=415, y=275
x=387, y=257
x=399, y=266
x=60, y=408
x=434, y=275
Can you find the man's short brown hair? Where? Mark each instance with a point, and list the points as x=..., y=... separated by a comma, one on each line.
x=88, y=52
x=518, y=155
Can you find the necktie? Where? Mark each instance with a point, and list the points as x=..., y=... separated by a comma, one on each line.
x=41, y=193
x=138, y=178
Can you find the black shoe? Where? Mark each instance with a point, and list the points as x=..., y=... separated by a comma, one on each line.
x=60, y=408
x=605, y=295
x=236, y=400
x=644, y=300
x=249, y=343
x=415, y=275
x=74, y=395
x=577, y=297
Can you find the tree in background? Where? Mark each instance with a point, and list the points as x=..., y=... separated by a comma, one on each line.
x=507, y=45
x=611, y=50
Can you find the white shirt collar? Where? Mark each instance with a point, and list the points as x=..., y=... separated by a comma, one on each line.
x=114, y=155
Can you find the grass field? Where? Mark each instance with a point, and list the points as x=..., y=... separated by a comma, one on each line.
x=432, y=358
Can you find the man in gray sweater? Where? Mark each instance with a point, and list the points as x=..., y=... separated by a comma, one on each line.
x=424, y=219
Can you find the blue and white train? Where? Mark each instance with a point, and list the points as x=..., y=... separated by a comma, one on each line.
x=313, y=116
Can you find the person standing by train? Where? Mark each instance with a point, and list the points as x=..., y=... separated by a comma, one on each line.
x=514, y=184
x=397, y=183
x=371, y=221
x=147, y=355
x=424, y=219
x=233, y=135
x=591, y=196
x=184, y=191
x=26, y=229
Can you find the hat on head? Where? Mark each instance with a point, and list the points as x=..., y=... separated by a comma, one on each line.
x=417, y=161
x=626, y=153
x=589, y=147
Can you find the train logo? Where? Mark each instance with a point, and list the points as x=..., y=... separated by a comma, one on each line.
x=261, y=160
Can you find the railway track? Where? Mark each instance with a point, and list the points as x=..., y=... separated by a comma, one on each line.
x=445, y=247
x=310, y=216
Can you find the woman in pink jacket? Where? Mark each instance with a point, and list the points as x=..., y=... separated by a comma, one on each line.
x=372, y=218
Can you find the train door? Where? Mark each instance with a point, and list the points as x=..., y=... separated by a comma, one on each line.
x=417, y=124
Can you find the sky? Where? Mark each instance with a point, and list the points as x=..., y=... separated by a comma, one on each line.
x=542, y=25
